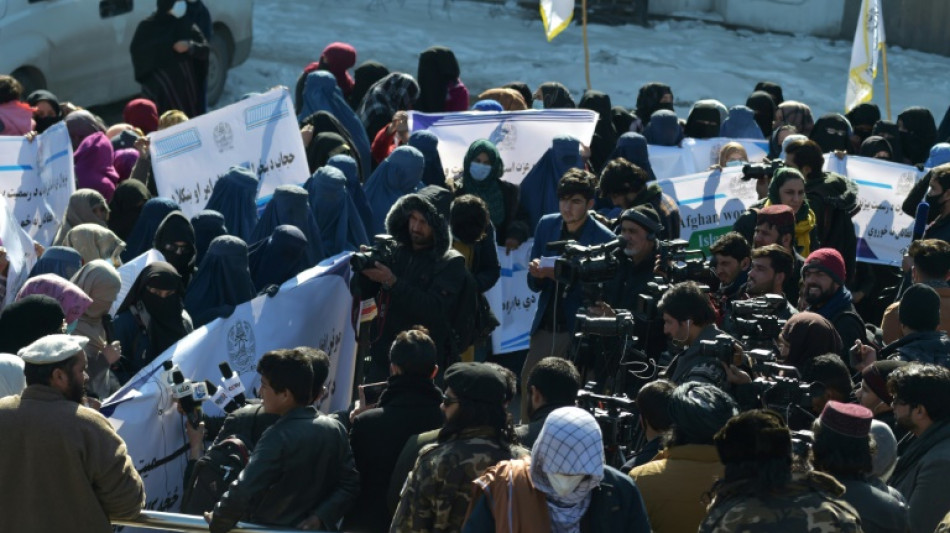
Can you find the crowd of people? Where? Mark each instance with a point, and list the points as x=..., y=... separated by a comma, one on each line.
x=792, y=388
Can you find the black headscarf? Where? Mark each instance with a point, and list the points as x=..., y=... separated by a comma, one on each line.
x=325, y=145
x=127, y=202
x=27, y=320
x=874, y=144
x=764, y=106
x=208, y=224
x=648, y=100
x=622, y=119
x=704, y=121
x=42, y=95
x=605, y=136
x=177, y=228
x=365, y=75
x=437, y=68
x=166, y=325
x=863, y=118
x=832, y=132
x=556, y=96
x=325, y=122
x=920, y=136
x=774, y=90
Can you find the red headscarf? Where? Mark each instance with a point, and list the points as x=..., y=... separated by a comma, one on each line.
x=141, y=113
x=337, y=58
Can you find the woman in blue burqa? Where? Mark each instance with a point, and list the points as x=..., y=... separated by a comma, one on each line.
x=340, y=226
x=321, y=93
x=539, y=187
x=234, y=197
x=223, y=281
x=291, y=205
x=398, y=175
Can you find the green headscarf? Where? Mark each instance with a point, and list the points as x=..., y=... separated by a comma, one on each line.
x=489, y=189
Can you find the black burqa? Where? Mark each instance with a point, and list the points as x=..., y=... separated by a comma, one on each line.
x=605, y=135
x=555, y=95
x=325, y=122
x=648, y=100
x=773, y=89
x=919, y=136
x=126, y=204
x=764, y=107
x=170, y=79
x=888, y=130
x=874, y=145
x=437, y=68
x=165, y=323
x=704, y=121
x=325, y=145
x=176, y=228
x=364, y=76
x=27, y=320
x=832, y=132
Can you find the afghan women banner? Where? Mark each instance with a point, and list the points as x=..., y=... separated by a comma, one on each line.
x=259, y=133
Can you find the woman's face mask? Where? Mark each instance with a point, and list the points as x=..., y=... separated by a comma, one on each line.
x=178, y=10
x=537, y=104
x=735, y=163
x=479, y=171
x=71, y=327
x=565, y=484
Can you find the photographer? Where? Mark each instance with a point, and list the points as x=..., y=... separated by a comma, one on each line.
x=553, y=324
x=832, y=197
x=688, y=319
x=420, y=283
x=771, y=266
x=625, y=185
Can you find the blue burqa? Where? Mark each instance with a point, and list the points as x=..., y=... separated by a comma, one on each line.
x=350, y=169
x=321, y=93
x=539, y=187
x=208, y=225
x=60, y=260
x=741, y=124
x=143, y=233
x=222, y=282
x=664, y=129
x=291, y=205
x=398, y=175
x=340, y=224
x=633, y=147
x=234, y=197
x=279, y=257
x=426, y=142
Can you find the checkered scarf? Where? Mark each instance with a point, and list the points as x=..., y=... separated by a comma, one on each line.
x=569, y=443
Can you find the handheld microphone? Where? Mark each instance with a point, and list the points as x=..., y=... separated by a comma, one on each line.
x=219, y=397
x=920, y=220
x=183, y=392
x=166, y=379
x=232, y=384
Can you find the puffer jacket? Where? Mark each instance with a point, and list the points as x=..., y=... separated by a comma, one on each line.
x=931, y=347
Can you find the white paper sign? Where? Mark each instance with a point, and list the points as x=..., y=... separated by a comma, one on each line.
x=521, y=137
x=313, y=309
x=513, y=303
x=698, y=155
x=37, y=179
x=259, y=133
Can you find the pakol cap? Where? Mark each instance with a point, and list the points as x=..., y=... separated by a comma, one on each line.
x=52, y=349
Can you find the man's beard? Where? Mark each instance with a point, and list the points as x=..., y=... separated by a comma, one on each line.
x=817, y=299
x=76, y=390
x=420, y=240
x=754, y=289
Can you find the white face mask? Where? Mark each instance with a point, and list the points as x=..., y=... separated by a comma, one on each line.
x=537, y=104
x=564, y=484
x=735, y=163
x=178, y=10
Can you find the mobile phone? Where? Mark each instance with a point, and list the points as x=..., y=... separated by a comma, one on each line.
x=370, y=393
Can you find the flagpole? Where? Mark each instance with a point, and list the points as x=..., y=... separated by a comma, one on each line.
x=887, y=86
x=587, y=50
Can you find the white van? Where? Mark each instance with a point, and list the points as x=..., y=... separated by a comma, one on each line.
x=79, y=49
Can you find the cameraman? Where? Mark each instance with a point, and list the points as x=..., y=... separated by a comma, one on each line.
x=421, y=282
x=625, y=185
x=553, y=325
x=688, y=318
x=771, y=266
x=639, y=228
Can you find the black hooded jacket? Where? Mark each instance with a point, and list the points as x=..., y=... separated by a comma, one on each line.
x=427, y=285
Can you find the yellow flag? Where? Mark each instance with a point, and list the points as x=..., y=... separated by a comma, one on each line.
x=868, y=41
x=556, y=15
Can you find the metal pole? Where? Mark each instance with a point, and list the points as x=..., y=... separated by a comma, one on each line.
x=586, y=49
x=887, y=85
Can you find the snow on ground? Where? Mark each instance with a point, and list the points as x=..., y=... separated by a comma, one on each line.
x=498, y=44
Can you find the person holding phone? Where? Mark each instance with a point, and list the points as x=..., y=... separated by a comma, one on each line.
x=408, y=403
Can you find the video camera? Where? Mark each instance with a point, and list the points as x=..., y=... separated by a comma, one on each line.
x=585, y=264
x=754, y=171
x=618, y=419
x=755, y=322
x=681, y=264
x=721, y=348
x=620, y=325
x=382, y=250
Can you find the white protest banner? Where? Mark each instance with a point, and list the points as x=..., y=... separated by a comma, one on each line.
x=513, y=303
x=259, y=133
x=18, y=252
x=37, y=178
x=128, y=273
x=313, y=309
x=883, y=230
x=521, y=137
x=709, y=203
x=698, y=155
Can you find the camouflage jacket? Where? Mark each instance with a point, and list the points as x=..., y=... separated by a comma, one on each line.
x=811, y=503
x=439, y=489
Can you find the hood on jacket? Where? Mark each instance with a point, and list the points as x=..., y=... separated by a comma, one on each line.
x=837, y=191
x=425, y=202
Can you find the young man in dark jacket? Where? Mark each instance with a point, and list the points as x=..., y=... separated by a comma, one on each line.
x=419, y=284
x=302, y=473
x=410, y=405
x=625, y=185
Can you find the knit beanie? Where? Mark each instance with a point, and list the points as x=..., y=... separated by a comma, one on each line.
x=827, y=260
x=875, y=377
x=919, y=309
x=644, y=216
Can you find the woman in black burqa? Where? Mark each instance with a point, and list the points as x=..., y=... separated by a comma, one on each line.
x=170, y=59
